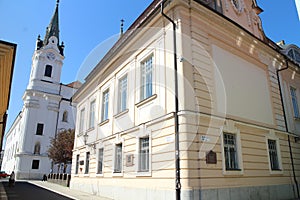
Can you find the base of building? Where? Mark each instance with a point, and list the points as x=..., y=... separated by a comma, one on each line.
x=271, y=192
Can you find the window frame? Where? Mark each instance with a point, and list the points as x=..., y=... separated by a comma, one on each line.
x=229, y=158
x=81, y=120
x=77, y=164
x=48, y=71
x=117, y=163
x=230, y=128
x=35, y=164
x=144, y=75
x=105, y=105
x=273, y=137
x=92, y=113
x=100, y=160
x=87, y=163
x=141, y=157
x=294, y=101
x=121, y=89
x=39, y=129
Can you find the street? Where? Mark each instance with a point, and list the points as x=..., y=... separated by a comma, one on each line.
x=24, y=190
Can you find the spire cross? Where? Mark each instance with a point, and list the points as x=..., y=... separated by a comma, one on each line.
x=122, y=24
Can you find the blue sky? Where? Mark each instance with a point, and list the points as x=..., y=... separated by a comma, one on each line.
x=83, y=26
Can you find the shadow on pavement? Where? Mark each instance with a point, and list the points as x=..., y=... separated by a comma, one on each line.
x=24, y=190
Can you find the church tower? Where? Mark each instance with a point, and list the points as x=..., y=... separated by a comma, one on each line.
x=48, y=59
x=47, y=109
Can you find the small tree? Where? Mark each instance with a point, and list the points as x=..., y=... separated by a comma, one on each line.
x=61, y=147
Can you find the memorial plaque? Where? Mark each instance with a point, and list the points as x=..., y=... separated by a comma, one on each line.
x=211, y=157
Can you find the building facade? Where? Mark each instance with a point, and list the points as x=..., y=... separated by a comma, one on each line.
x=7, y=61
x=47, y=110
x=187, y=105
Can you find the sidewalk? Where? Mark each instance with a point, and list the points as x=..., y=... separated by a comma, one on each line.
x=65, y=191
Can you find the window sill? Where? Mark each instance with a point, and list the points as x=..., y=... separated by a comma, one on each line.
x=233, y=172
x=103, y=122
x=144, y=101
x=143, y=174
x=121, y=113
x=117, y=174
x=99, y=175
x=90, y=129
x=276, y=172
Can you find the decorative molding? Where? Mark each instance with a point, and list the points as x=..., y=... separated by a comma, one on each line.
x=238, y=6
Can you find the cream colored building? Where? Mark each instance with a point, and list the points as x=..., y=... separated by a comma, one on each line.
x=202, y=119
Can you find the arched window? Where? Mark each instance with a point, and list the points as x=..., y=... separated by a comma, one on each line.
x=37, y=148
x=48, y=71
x=65, y=116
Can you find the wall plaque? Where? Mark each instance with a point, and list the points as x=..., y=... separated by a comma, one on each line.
x=211, y=157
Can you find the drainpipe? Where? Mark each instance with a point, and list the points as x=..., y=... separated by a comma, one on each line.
x=286, y=126
x=177, y=156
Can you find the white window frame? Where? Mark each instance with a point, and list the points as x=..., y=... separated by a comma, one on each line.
x=122, y=89
x=81, y=120
x=294, y=101
x=142, y=167
x=87, y=166
x=100, y=159
x=115, y=159
x=272, y=136
x=77, y=164
x=231, y=129
x=143, y=133
x=105, y=105
x=144, y=76
x=92, y=116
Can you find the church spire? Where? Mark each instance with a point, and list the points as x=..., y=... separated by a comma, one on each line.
x=53, y=28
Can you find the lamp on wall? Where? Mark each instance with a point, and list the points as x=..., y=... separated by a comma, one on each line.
x=85, y=139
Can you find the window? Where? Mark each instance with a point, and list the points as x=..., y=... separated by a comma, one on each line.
x=92, y=114
x=144, y=154
x=273, y=155
x=100, y=161
x=81, y=122
x=146, y=78
x=295, y=102
x=77, y=164
x=105, y=99
x=230, y=151
x=214, y=4
x=87, y=162
x=48, y=71
x=65, y=116
x=294, y=54
x=37, y=148
x=118, y=158
x=35, y=164
x=122, y=94
x=39, y=129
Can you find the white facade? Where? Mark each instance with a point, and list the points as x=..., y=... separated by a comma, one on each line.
x=47, y=110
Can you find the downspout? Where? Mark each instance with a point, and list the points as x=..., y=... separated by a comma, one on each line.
x=286, y=125
x=177, y=156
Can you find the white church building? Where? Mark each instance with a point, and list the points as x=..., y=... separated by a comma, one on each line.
x=47, y=110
